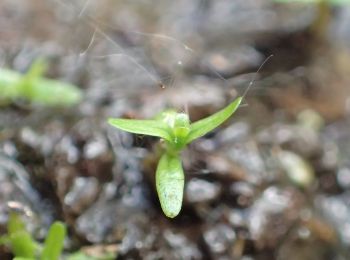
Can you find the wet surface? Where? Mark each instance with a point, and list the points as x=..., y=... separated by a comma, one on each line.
x=271, y=183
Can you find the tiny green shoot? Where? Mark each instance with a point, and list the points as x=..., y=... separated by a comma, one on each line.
x=177, y=132
x=34, y=88
x=19, y=239
x=23, y=245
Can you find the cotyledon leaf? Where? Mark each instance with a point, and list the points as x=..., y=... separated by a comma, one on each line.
x=170, y=184
x=209, y=123
x=143, y=127
x=54, y=242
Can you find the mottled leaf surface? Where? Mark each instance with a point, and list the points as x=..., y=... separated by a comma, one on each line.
x=170, y=184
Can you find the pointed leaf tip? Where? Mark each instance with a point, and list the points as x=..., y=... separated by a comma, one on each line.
x=209, y=123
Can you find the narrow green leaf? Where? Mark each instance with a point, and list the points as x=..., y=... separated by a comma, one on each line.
x=27, y=81
x=170, y=184
x=143, y=127
x=209, y=123
x=22, y=244
x=54, y=242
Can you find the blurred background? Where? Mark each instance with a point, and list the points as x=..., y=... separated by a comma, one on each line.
x=272, y=183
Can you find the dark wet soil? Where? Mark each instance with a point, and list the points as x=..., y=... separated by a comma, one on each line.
x=272, y=183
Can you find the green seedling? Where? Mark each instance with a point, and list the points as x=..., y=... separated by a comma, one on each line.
x=34, y=88
x=19, y=239
x=23, y=246
x=177, y=132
